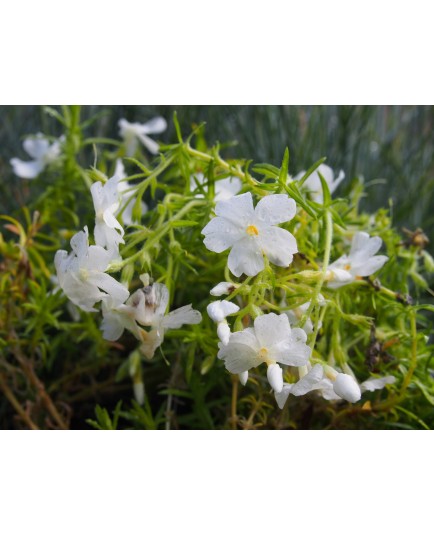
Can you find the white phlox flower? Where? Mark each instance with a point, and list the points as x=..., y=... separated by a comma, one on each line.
x=251, y=232
x=126, y=202
x=218, y=311
x=106, y=203
x=361, y=261
x=270, y=341
x=313, y=182
x=147, y=307
x=224, y=188
x=81, y=274
x=331, y=385
x=43, y=154
x=132, y=133
x=116, y=318
x=223, y=288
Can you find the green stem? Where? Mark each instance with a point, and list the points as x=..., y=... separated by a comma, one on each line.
x=326, y=261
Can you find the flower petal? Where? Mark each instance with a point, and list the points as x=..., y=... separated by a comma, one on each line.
x=220, y=309
x=275, y=377
x=363, y=246
x=221, y=234
x=112, y=222
x=243, y=376
x=238, y=210
x=36, y=146
x=309, y=382
x=156, y=125
x=241, y=353
x=372, y=384
x=222, y=288
x=370, y=266
x=298, y=335
x=347, y=388
x=111, y=326
x=270, y=329
x=97, y=259
x=239, y=358
x=275, y=208
x=107, y=283
x=152, y=146
x=295, y=354
x=278, y=245
x=226, y=188
x=333, y=185
x=26, y=170
x=246, y=257
x=223, y=332
x=183, y=315
x=282, y=397
x=80, y=243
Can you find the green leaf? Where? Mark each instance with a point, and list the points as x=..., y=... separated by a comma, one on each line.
x=327, y=198
x=310, y=171
x=283, y=173
x=207, y=364
x=267, y=170
x=184, y=223
x=177, y=127
x=424, y=390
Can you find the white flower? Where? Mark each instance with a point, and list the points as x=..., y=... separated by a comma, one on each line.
x=218, y=311
x=81, y=274
x=252, y=232
x=270, y=341
x=331, y=384
x=133, y=132
x=361, y=261
x=106, y=202
x=347, y=388
x=116, y=318
x=148, y=307
x=127, y=198
x=275, y=377
x=223, y=288
x=313, y=183
x=224, y=188
x=243, y=376
x=373, y=384
x=43, y=154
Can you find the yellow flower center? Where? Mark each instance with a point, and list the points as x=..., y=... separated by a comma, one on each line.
x=83, y=274
x=252, y=230
x=347, y=267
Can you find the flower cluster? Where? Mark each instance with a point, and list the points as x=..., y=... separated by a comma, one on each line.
x=83, y=275
x=254, y=239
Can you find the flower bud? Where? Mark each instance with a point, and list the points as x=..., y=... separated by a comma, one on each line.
x=347, y=388
x=223, y=332
x=223, y=288
x=243, y=376
x=275, y=377
x=220, y=309
x=139, y=392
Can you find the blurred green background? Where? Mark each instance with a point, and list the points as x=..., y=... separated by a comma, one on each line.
x=391, y=147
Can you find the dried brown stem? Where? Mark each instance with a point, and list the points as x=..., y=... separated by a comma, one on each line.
x=17, y=406
x=27, y=368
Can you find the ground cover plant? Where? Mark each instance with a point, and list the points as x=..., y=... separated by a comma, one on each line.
x=162, y=284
